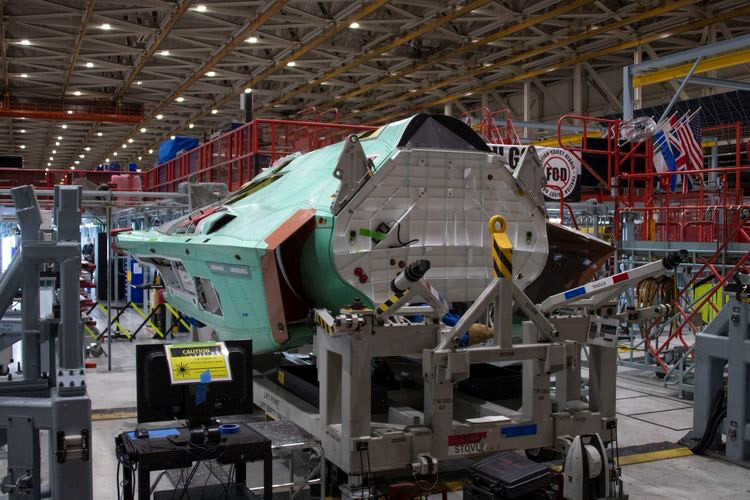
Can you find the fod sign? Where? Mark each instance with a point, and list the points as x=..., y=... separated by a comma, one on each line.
x=561, y=168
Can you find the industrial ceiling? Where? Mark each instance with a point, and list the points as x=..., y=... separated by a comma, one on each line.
x=187, y=62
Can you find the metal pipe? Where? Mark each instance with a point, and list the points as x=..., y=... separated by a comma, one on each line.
x=678, y=91
x=108, y=211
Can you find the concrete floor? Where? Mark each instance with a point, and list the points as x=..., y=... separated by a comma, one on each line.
x=648, y=412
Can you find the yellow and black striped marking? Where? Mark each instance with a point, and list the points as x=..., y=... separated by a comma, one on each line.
x=327, y=326
x=382, y=308
x=502, y=249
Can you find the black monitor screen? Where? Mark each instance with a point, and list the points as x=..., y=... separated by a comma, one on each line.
x=159, y=400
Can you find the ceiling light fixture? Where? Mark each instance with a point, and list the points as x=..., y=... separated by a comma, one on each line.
x=291, y=64
x=159, y=117
x=201, y=8
x=150, y=151
x=24, y=75
x=77, y=92
x=140, y=158
x=106, y=160
x=180, y=99
x=99, y=134
x=70, y=111
x=106, y=26
x=57, y=143
x=139, y=82
x=164, y=53
x=54, y=151
x=25, y=42
x=248, y=90
x=130, y=141
x=23, y=146
x=63, y=126
x=81, y=155
x=252, y=39
x=114, y=154
x=59, y=138
x=354, y=25
x=89, y=64
x=23, y=130
x=214, y=111
x=191, y=125
x=174, y=137
x=87, y=148
x=211, y=73
x=143, y=130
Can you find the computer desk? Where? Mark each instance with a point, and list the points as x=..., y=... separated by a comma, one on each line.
x=162, y=452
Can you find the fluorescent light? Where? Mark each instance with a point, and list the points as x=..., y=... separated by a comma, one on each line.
x=143, y=130
x=354, y=25
x=24, y=75
x=248, y=90
x=77, y=92
x=214, y=111
x=89, y=64
x=211, y=73
x=180, y=99
x=252, y=39
x=70, y=111
x=99, y=134
x=201, y=8
x=77, y=162
x=291, y=64
x=23, y=130
x=59, y=138
x=25, y=42
x=139, y=82
x=23, y=146
x=164, y=52
x=159, y=117
x=130, y=140
x=87, y=148
x=106, y=26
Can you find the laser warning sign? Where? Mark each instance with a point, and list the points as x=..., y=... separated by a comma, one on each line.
x=198, y=362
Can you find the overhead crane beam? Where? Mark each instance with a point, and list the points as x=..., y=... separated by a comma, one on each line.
x=563, y=42
x=77, y=46
x=564, y=63
x=706, y=65
x=84, y=116
x=309, y=45
x=378, y=51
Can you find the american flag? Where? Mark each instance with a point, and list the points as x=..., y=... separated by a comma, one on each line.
x=685, y=140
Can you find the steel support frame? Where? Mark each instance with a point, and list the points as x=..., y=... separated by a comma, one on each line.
x=54, y=401
x=725, y=342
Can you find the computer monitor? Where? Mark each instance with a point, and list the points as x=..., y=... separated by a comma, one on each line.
x=159, y=400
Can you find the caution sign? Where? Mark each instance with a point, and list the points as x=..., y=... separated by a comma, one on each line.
x=466, y=444
x=198, y=362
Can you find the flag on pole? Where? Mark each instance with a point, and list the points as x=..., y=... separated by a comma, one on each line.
x=688, y=134
x=664, y=158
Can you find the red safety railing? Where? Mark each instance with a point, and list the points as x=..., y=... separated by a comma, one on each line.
x=237, y=156
x=488, y=125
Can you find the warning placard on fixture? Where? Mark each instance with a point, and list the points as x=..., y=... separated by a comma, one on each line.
x=198, y=362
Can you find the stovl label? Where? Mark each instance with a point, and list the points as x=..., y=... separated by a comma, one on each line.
x=466, y=444
x=561, y=169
